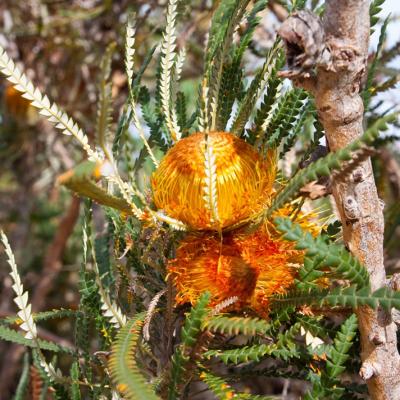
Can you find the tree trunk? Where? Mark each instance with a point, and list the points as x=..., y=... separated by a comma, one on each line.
x=328, y=58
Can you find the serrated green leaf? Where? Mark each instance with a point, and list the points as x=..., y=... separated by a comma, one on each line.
x=326, y=255
x=237, y=325
x=331, y=161
x=125, y=372
x=17, y=337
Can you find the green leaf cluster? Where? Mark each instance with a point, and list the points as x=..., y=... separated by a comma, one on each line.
x=127, y=258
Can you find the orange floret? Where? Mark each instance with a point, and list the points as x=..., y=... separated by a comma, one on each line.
x=252, y=267
x=243, y=180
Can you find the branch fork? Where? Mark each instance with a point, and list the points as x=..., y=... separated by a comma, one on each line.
x=308, y=49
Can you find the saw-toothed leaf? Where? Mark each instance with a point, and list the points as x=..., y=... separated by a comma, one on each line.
x=125, y=372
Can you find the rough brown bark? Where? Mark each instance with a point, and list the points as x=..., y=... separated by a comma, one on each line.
x=328, y=58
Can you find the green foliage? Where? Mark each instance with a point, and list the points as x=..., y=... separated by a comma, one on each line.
x=236, y=325
x=123, y=123
x=217, y=385
x=284, y=348
x=23, y=383
x=307, y=111
x=243, y=354
x=42, y=375
x=317, y=325
x=81, y=180
x=347, y=297
x=182, y=112
x=388, y=54
x=369, y=90
x=143, y=67
x=231, y=85
x=194, y=320
x=265, y=77
x=125, y=372
x=253, y=21
x=89, y=299
x=104, y=110
x=338, y=354
x=154, y=121
x=101, y=248
x=264, y=112
x=221, y=27
x=45, y=315
x=17, y=337
x=326, y=165
x=290, y=107
x=320, y=254
x=75, y=391
x=314, y=145
x=190, y=333
x=232, y=74
x=388, y=84
x=310, y=272
x=374, y=9
x=125, y=275
x=293, y=5
x=223, y=391
x=327, y=385
x=226, y=18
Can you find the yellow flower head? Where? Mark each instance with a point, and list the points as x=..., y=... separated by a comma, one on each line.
x=252, y=267
x=243, y=180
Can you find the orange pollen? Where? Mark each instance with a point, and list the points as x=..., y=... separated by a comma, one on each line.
x=252, y=267
x=243, y=180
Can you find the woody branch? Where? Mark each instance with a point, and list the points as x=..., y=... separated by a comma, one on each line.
x=328, y=58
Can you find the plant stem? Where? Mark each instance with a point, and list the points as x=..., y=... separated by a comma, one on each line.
x=328, y=58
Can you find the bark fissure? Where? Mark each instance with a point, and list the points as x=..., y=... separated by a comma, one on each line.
x=328, y=58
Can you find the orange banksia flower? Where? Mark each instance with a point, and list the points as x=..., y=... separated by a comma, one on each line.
x=243, y=180
x=252, y=267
